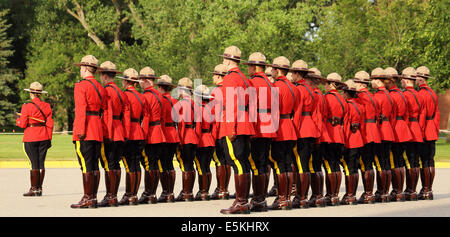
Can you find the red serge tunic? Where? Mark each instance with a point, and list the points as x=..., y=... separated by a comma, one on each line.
x=235, y=116
x=188, y=113
x=370, y=130
x=354, y=117
x=336, y=109
x=134, y=116
x=207, y=138
x=429, y=122
x=289, y=99
x=90, y=98
x=38, y=133
x=169, y=127
x=303, y=121
x=264, y=125
x=402, y=132
x=216, y=105
x=320, y=117
x=385, y=106
x=415, y=110
x=153, y=124
x=113, y=116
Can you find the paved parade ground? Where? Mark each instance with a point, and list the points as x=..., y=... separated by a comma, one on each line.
x=63, y=186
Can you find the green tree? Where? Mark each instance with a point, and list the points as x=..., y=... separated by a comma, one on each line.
x=8, y=76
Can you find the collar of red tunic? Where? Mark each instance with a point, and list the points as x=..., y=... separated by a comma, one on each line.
x=149, y=88
x=281, y=78
x=36, y=99
x=364, y=89
x=258, y=73
x=423, y=86
x=89, y=78
x=110, y=83
x=381, y=88
x=333, y=91
x=393, y=88
x=166, y=94
x=220, y=83
x=130, y=87
x=234, y=69
x=409, y=87
x=301, y=81
x=186, y=97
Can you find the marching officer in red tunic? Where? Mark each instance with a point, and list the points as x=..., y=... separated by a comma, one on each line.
x=273, y=191
x=385, y=107
x=370, y=133
x=402, y=134
x=205, y=149
x=336, y=110
x=415, y=107
x=36, y=118
x=223, y=167
x=265, y=130
x=154, y=135
x=307, y=132
x=353, y=122
x=283, y=144
x=132, y=119
x=188, y=122
x=91, y=100
x=429, y=123
x=319, y=117
x=235, y=128
x=112, y=146
x=168, y=175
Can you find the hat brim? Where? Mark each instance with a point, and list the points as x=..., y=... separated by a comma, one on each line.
x=346, y=88
x=278, y=66
x=220, y=74
x=204, y=96
x=85, y=64
x=334, y=81
x=408, y=77
x=34, y=91
x=128, y=79
x=148, y=77
x=356, y=80
x=231, y=58
x=184, y=88
x=378, y=77
x=165, y=84
x=255, y=63
x=300, y=70
x=424, y=76
x=100, y=70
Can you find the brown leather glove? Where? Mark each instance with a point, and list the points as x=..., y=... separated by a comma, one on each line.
x=231, y=137
x=81, y=137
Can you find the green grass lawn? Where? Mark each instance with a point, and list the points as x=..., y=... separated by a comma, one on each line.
x=11, y=148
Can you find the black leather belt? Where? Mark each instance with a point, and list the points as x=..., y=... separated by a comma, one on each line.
x=383, y=118
x=335, y=121
x=285, y=116
x=399, y=118
x=305, y=113
x=93, y=113
x=154, y=123
x=36, y=125
x=413, y=119
x=370, y=121
x=189, y=126
x=117, y=117
x=206, y=130
x=169, y=124
x=135, y=120
x=261, y=111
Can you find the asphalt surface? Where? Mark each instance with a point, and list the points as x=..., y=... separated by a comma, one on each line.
x=63, y=186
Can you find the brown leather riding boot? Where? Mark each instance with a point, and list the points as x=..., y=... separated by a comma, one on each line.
x=319, y=197
x=258, y=202
x=88, y=187
x=110, y=182
x=220, y=178
x=240, y=204
x=282, y=203
x=202, y=194
x=172, y=177
x=397, y=181
x=118, y=174
x=96, y=184
x=165, y=182
x=145, y=196
x=388, y=186
x=314, y=189
x=426, y=182
x=368, y=180
x=34, y=180
x=432, y=174
x=335, y=197
x=304, y=180
x=331, y=187
x=188, y=178
x=410, y=191
x=381, y=185
x=293, y=189
x=128, y=190
x=274, y=190
x=349, y=196
x=41, y=181
x=226, y=194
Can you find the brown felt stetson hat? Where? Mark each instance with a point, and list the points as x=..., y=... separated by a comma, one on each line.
x=335, y=78
x=185, y=83
x=281, y=63
x=233, y=53
x=350, y=85
x=256, y=59
x=203, y=91
x=108, y=66
x=299, y=66
x=88, y=60
x=130, y=74
x=220, y=69
x=391, y=73
x=378, y=73
x=362, y=77
x=36, y=87
x=314, y=73
x=165, y=80
x=147, y=73
x=424, y=72
x=409, y=73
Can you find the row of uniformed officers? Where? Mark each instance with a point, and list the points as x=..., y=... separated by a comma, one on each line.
x=295, y=136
